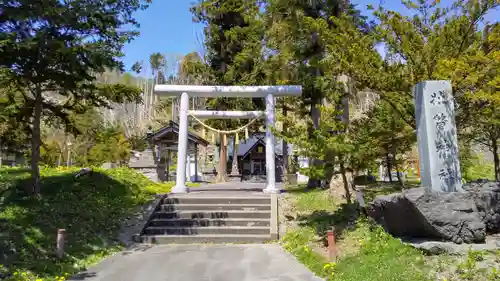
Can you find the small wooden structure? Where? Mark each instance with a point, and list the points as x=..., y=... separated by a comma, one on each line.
x=157, y=159
x=252, y=157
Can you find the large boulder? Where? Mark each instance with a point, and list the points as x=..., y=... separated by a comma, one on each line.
x=486, y=196
x=458, y=217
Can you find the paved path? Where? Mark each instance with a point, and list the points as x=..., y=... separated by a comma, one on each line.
x=251, y=262
x=233, y=186
x=203, y=262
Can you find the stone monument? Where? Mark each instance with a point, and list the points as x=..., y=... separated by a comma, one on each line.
x=443, y=209
x=437, y=136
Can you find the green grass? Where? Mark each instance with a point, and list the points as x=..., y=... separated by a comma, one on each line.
x=381, y=258
x=480, y=170
x=91, y=209
x=315, y=200
x=367, y=252
x=297, y=242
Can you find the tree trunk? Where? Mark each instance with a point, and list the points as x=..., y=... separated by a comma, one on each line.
x=400, y=180
x=346, y=182
x=389, y=167
x=312, y=182
x=496, y=159
x=153, y=96
x=35, y=141
x=68, y=160
x=222, y=174
x=146, y=101
x=59, y=157
x=150, y=94
x=151, y=99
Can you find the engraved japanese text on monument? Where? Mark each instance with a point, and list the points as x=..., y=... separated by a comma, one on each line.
x=436, y=133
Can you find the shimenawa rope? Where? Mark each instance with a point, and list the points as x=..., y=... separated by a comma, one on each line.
x=223, y=131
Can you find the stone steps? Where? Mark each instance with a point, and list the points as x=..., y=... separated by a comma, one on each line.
x=200, y=199
x=210, y=222
x=194, y=239
x=214, y=207
x=203, y=218
x=210, y=214
x=169, y=230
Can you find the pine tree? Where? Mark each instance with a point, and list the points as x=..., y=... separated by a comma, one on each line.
x=51, y=51
x=157, y=62
x=381, y=134
x=437, y=42
x=233, y=42
x=415, y=49
x=297, y=37
x=476, y=75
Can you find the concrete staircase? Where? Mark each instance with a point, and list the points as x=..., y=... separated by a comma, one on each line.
x=209, y=218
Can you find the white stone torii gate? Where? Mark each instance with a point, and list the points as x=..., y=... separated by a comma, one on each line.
x=186, y=91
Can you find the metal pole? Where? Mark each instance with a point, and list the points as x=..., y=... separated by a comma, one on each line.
x=180, y=183
x=270, y=154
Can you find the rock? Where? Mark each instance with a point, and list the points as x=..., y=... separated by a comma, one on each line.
x=83, y=172
x=457, y=217
x=486, y=196
x=435, y=247
x=450, y=248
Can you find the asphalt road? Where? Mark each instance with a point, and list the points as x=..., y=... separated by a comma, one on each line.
x=249, y=262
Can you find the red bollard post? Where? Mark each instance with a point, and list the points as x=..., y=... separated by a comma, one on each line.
x=332, y=247
x=60, y=243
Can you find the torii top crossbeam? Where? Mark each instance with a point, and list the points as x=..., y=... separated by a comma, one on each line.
x=227, y=91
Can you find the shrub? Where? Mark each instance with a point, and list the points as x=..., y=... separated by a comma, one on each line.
x=478, y=168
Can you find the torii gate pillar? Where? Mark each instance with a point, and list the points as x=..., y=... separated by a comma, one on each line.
x=180, y=186
x=267, y=92
x=270, y=147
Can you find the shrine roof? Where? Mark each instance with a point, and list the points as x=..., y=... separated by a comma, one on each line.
x=173, y=128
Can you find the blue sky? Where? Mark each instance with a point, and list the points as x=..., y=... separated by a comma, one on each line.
x=167, y=27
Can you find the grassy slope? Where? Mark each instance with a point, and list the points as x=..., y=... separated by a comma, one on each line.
x=367, y=253
x=91, y=209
